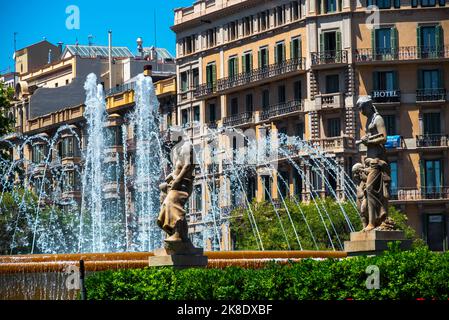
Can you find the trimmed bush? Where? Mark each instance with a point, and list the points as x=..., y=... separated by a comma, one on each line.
x=414, y=274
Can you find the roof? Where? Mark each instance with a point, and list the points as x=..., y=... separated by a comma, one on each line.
x=97, y=51
x=162, y=53
x=35, y=44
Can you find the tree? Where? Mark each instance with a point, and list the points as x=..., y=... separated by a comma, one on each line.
x=321, y=225
x=6, y=122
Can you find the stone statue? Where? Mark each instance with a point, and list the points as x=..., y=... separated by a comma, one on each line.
x=374, y=175
x=175, y=192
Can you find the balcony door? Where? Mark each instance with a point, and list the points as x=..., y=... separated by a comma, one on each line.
x=436, y=232
x=330, y=47
x=385, y=86
x=433, y=179
x=332, y=83
x=430, y=41
x=431, y=123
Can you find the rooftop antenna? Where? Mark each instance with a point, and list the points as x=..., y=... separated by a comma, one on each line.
x=90, y=42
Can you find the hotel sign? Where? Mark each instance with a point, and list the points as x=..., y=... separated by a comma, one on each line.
x=385, y=94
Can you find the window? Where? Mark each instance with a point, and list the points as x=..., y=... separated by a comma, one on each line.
x=234, y=106
x=283, y=183
x=435, y=230
x=39, y=153
x=211, y=74
x=297, y=184
x=110, y=172
x=433, y=176
x=265, y=99
x=249, y=103
x=331, y=6
x=68, y=148
x=297, y=90
x=211, y=36
x=431, y=123
x=428, y=3
x=184, y=81
x=384, y=4
x=189, y=45
x=263, y=21
x=333, y=127
x=281, y=94
x=248, y=26
x=279, y=15
x=390, y=124
x=247, y=62
x=71, y=181
x=185, y=117
x=233, y=66
x=212, y=113
x=295, y=48
x=195, y=77
x=198, y=198
x=279, y=52
x=385, y=80
x=394, y=179
x=295, y=7
x=266, y=185
x=300, y=130
x=56, y=85
x=429, y=79
x=430, y=41
x=196, y=114
x=263, y=57
x=113, y=136
x=332, y=83
x=232, y=31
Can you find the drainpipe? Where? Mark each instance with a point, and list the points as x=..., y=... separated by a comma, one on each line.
x=110, y=58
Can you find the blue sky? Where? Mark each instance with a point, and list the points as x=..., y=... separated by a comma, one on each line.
x=36, y=19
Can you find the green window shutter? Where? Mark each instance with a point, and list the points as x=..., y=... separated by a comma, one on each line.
x=292, y=56
x=375, y=80
x=420, y=79
x=373, y=42
x=244, y=63
x=259, y=59
x=236, y=66
x=276, y=54
x=267, y=57
x=418, y=41
x=251, y=61
x=441, y=78
x=284, y=53
x=395, y=80
x=439, y=39
x=208, y=74
x=230, y=65
x=422, y=173
x=214, y=74
x=394, y=40
x=321, y=42
x=300, y=48
x=338, y=40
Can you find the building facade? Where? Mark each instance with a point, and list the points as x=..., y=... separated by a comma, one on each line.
x=298, y=67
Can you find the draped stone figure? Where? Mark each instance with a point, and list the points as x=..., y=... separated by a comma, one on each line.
x=175, y=192
x=375, y=167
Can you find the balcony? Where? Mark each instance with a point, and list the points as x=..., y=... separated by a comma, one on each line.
x=329, y=57
x=400, y=54
x=432, y=141
x=335, y=144
x=282, y=109
x=386, y=96
x=420, y=194
x=205, y=89
x=238, y=119
x=329, y=101
x=254, y=76
x=431, y=95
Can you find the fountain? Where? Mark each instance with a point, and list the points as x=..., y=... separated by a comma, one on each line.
x=121, y=231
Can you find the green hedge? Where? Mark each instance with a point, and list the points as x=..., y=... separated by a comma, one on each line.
x=403, y=275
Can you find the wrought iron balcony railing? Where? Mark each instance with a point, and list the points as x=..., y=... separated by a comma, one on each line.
x=282, y=109
x=386, y=96
x=400, y=53
x=254, y=75
x=429, y=95
x=329, y=57
x=419, y=194
x=238, y=119
x=432, y=140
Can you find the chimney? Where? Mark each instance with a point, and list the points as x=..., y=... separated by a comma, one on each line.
x=60, y=44
x=147, y=70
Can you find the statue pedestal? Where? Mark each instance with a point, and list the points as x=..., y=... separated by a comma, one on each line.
x=374, y=242
x=178, y=255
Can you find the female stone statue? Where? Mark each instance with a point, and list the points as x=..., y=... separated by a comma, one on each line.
x=175, y=193
x=376, y=166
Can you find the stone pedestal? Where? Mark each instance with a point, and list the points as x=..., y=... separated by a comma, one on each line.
x=374, y=242
x=178, y=255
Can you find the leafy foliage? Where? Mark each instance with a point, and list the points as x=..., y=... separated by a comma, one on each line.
x=6, y=123
x=414, y=274
x=325, y=221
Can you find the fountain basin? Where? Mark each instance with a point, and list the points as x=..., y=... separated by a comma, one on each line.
x=50, y=277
